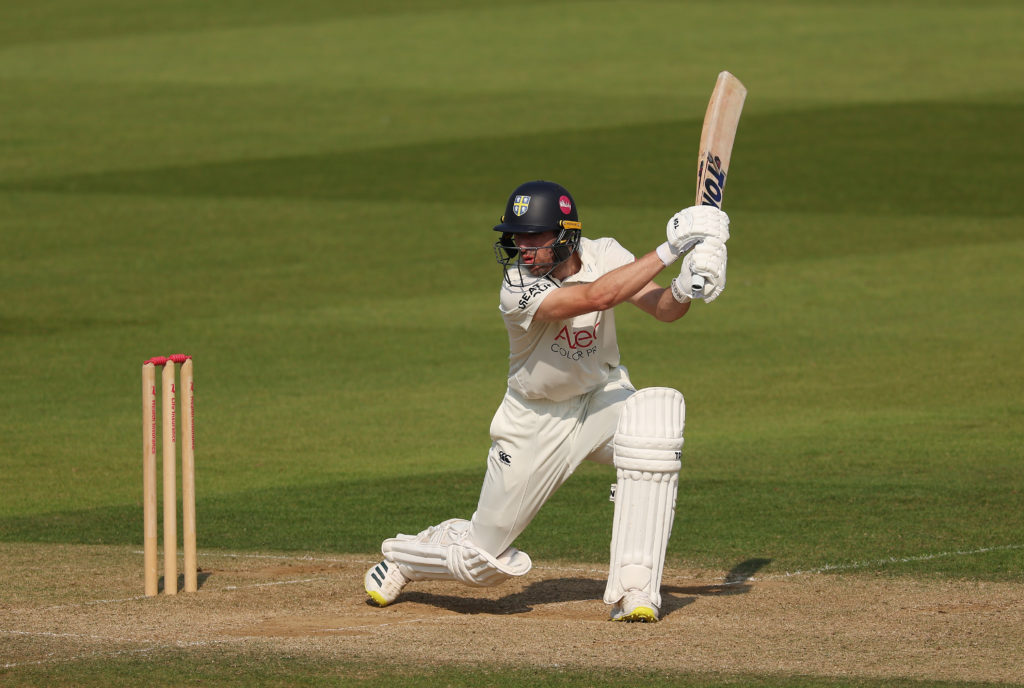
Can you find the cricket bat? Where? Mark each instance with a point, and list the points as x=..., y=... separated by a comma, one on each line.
x=716, y=139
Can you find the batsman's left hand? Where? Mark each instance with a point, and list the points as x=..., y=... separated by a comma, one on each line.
x=690, y=226
x=708, y=259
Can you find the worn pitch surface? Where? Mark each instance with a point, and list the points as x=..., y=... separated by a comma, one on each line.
x=65, y=603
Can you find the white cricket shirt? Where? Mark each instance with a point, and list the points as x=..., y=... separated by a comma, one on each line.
x=560, y=360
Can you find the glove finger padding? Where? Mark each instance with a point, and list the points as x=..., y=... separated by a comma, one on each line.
x=708, y=260
x=690, y=226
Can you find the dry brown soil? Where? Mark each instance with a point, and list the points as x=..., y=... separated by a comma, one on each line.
x=61, y=603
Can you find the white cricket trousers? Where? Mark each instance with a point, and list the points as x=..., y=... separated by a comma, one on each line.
x=535, y=446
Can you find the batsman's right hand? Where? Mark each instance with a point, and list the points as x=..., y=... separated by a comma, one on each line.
x=708, y=260
x=690, y=226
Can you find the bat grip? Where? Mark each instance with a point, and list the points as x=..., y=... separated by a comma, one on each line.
x=697, y=287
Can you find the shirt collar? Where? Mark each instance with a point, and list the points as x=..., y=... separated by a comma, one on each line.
x=588, y=268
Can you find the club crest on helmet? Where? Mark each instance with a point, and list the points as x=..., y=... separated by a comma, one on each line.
x=520, y=205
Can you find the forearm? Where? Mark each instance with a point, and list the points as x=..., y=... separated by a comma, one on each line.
x=623, y=283
x=660, y=303
x=668, y=309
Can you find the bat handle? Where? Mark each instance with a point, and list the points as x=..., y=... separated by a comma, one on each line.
x=697, y=287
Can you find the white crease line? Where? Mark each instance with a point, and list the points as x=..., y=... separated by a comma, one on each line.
x=279, y=557
x=894, y=560
x=51, y=634
x=294, y=557
x=824, y=569
x=272, y=583
x=603, y=571
x=152, y=647
x=224, y=588
x=93, y=636
x=91, y=603
x=901, y=560
x=56, y=660
x=389, y=623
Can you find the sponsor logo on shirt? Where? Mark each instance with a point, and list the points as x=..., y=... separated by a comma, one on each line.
x=532, y=291
x=576, y=343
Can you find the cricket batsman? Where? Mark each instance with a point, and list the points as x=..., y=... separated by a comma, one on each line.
x=570, y=400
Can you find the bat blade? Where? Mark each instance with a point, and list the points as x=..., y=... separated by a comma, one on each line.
x=721, y=120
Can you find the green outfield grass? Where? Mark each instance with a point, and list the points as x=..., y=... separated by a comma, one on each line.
x=255, y=669
x=301, y=195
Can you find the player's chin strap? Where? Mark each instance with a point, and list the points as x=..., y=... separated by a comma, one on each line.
x=648, y=444
x=443, y=552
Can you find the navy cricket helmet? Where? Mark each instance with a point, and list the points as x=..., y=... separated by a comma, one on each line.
x=535, y=207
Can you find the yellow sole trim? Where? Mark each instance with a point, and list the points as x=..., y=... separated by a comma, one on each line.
x=378, y=599
x=641, y=615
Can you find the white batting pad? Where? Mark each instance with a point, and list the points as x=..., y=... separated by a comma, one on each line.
x=648, y=443
x=443, y=552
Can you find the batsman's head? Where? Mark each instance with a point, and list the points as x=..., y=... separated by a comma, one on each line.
x=540, y=230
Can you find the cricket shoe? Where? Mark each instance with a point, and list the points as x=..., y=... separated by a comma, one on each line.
x=635, y=605
x=384, y=582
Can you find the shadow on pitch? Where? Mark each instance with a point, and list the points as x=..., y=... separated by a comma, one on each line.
x=555, y=590
x=737, y=581
x=201, y=577
x=539, y=593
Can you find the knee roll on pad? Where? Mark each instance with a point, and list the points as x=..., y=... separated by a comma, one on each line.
x=648, y=443
x=443, y=552
x=649, y=436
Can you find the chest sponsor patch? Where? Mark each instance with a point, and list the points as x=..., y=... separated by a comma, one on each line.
x=576, y=343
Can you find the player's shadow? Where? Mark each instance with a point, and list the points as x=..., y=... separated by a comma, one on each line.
x=556, y=590
x=737, y=581
x=674, y=597
x=538, y=593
